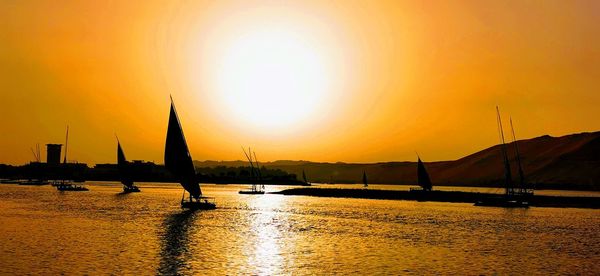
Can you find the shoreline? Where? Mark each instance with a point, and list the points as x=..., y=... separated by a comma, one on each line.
x=440, y=196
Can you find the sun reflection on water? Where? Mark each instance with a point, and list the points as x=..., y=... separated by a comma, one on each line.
x=263, y=250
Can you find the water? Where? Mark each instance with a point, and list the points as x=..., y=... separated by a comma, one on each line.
x=48, y=232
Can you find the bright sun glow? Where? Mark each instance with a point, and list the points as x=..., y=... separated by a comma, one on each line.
x=271, y=79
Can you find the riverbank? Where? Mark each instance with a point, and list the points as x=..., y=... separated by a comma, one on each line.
x=440, y=196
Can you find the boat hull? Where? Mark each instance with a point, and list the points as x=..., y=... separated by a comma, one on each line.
x=198, y=205
x=34, y=183
x=71, y=188
x=132, y=189
x=252, y=192
x=503, y=202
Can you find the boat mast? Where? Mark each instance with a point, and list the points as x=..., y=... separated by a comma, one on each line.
x=66, y=145
x=249, y=157
x=522, y=188
x=258, y=170
x=508, y=178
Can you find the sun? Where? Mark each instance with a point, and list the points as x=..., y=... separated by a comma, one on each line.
x=271, y=79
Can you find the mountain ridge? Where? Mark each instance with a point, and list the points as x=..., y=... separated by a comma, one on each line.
x=564, y=162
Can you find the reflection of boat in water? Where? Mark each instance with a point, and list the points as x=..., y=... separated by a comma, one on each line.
x=174, y=242
x=513, y=196
x=178, y=162
x=305, y=181
x=256, y=189
x=124, y=171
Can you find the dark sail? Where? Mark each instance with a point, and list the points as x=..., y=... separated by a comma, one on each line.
x=304, y=177
x=177, y=156
x=123, y=166
x=365, y=179
x=422, y=176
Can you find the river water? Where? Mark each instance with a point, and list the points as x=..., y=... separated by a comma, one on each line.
x=46, y=232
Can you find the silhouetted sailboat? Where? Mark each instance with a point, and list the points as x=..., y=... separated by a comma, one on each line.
x=512, y=197
x=364, y=179
x=179, y=163
x=66, y=183
x=305, y=183
x=125, y=171
x=422, y=177
x=257, y=189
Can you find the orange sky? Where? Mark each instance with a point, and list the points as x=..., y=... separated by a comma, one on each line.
x=385, y=78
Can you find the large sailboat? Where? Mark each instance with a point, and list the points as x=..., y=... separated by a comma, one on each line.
x=178, y=162
x=125, y=171
x=257, y=188
x=514, y=196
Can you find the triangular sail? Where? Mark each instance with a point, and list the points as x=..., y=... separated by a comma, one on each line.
x=123, y=166
x=304, y=177
x=422, y=176
x=177, y=156
x=365, y=184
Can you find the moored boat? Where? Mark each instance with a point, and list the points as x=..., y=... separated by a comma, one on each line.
x=256, y=189
x=514, y=196
x=34, y=182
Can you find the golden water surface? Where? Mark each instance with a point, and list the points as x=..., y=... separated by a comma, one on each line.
x=46, y=232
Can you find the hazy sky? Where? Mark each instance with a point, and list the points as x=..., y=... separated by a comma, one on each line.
x=346, y=81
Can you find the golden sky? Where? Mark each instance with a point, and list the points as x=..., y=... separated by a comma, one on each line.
x=354, y=81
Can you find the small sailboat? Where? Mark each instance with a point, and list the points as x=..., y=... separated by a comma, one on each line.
x=364, y=179
x=513, y=197
x=124, y=171
x=38, y=180
x=305, y=183
x=257, y=189
x=66, y=184
x=422, y=178
x=178, y=162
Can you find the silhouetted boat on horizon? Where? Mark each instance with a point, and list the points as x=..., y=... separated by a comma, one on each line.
x=125, y=171
x=364, y=179
x=514, y=197
x=34, y=182
x=423, y=179
x=178, y=162
x=66, y=184
x=305, y=183
x=256, y=189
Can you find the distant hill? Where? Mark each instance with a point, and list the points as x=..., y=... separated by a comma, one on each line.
x=567, y=162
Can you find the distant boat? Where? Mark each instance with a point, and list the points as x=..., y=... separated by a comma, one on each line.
x=11, y=181
x=66, y=184
x=422, y=178
x=513, y=196
x=365, y=184
x=178, y=162
x=125, y=171
x=257, y=189
x=305, y=183
x=34, y=182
